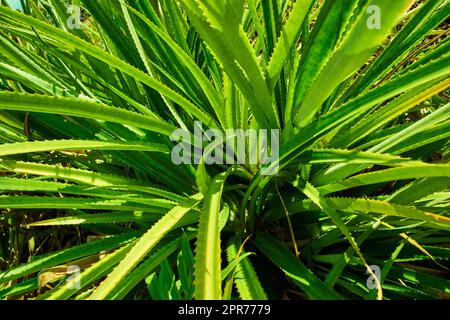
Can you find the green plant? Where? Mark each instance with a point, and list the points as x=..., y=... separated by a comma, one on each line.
x=86, y=116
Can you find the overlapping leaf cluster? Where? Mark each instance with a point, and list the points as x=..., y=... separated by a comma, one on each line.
x=87, y=179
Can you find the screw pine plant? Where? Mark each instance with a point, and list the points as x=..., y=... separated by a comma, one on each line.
x=91, y=92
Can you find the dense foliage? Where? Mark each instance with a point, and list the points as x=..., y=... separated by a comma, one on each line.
x=93, y=207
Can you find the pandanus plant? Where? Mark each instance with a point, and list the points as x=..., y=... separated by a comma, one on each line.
x=94, y=207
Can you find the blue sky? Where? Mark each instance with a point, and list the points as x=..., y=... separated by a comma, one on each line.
x=15, y=4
